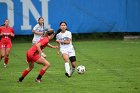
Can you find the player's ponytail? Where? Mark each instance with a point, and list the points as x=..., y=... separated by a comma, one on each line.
x=48, y=32
x=58, y=31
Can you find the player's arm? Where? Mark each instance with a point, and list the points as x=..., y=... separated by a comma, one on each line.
x=51, y=46
x=58, y=44
x=67, y=41
x=0, y=31
x=38, y=33
x=12, y=33
x=57, y=49
x=38, y=45
x=64, y=41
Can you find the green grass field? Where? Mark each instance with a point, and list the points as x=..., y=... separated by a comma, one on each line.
x=112, y=67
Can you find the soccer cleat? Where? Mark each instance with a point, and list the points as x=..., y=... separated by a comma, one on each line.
x=38, y=80
x=19, y=81
x=67, y=75
x=5, y=65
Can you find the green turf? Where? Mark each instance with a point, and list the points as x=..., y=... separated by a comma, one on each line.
x=112, y=67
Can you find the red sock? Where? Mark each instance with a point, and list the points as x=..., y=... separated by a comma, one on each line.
x=41, y=72
x=6, y=60
x=25, y=72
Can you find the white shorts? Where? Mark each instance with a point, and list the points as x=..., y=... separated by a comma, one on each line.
x=69, y=51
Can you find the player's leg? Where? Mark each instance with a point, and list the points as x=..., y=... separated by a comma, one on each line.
x=73, y=63
x=26, y=71
x=67, y=66
x=45, y=64
x=2, y=53
x=72, y=58
x=6, y=59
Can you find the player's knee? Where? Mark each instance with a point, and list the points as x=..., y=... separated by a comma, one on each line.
x=31, y=68
x=2, y=55
x=47, y=64
x=72, y=59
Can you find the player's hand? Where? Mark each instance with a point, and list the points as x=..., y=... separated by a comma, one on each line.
x=12, y=34
x=27, y=61
x=54, y=46
x=60, y=41
x=43, y=55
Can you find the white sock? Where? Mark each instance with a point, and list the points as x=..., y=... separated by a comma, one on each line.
x=67, y=68
x=72, y=70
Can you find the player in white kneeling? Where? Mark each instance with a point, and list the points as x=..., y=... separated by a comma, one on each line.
x=64, y=39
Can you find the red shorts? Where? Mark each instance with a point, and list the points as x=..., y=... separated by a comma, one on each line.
x=5, y=43
x=30, y=57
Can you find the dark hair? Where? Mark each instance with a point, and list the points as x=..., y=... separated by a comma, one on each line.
x=48, y=32
x=2, y=25
x=39, y=19
x=59, y=30
x=62, y=22
x=4, y=22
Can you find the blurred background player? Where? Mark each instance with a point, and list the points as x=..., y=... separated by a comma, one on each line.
x=64, y=39
x=6, y=33
x=35, y=54
x=38, y=30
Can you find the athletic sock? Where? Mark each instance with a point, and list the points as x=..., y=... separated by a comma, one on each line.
x=6, y=60
x=25, y=72
x=67, y=68
x=72, y=70
x=41, y=73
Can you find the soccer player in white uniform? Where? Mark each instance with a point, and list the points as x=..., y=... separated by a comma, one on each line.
x=38, y=30
x=64, y=39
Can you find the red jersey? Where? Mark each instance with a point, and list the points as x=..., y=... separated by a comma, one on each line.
x=33, y=54
x=44, y=42
x=6, y=31
x=6, y=36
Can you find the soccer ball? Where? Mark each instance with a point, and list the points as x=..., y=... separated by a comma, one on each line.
x=81, y=69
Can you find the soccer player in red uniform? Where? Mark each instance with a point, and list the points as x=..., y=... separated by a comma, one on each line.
x=6, y=32
x=35, y=54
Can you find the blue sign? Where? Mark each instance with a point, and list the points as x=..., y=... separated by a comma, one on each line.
x=82, y=16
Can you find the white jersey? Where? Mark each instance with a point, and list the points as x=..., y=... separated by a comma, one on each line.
x=36, y=37
x=65, y=36
x=66, y=48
